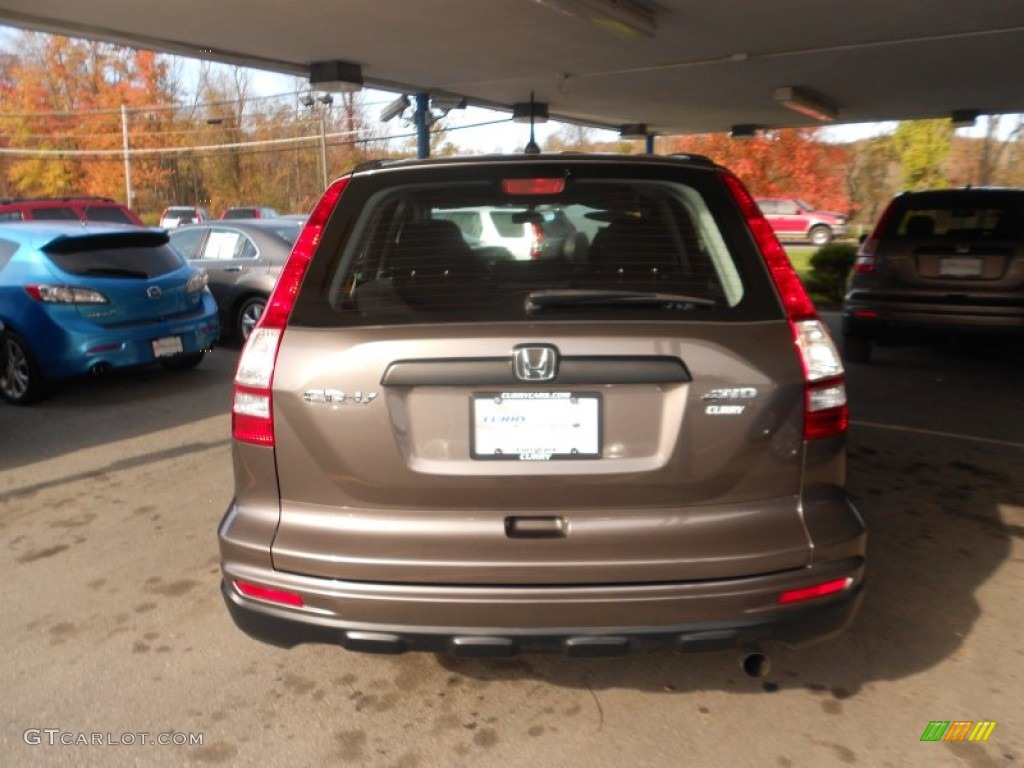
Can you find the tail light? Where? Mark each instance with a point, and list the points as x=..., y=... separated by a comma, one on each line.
x=252, y=413
x=65, y=294
x=867, y=261
x=825, y=410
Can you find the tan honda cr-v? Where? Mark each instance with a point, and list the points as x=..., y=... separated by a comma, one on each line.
x=636, y=443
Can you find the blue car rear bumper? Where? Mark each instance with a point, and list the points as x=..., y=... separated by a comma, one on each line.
x=64, y=344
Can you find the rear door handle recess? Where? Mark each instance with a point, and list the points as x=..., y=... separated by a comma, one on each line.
x=535, y=527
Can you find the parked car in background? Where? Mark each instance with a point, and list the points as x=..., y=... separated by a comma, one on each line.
x=243, y=260
x=177, y=215
x=99, y=209
x=77, y=299
x=938, y=264
x=793, y=219
x=527, y=234
x=434, y=449
x=249, y=212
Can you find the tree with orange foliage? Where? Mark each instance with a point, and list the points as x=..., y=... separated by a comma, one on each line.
x=787, y=162
x=67, y=94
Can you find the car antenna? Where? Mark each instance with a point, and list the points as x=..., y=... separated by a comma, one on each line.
x=532, y=147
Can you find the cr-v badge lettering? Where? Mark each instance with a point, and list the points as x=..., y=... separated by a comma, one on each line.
x=338, y=397
x=732, y=393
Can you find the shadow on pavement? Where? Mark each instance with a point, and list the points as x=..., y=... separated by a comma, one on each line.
x=135, y=402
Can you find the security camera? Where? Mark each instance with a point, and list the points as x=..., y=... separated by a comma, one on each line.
x=394, y=109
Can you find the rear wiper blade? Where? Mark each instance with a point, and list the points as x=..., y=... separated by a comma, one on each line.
x=113, y=272
x=584, y=297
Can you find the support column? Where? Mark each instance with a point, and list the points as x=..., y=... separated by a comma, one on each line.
x=422, y=125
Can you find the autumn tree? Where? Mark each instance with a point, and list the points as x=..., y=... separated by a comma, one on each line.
x=788, y=162
x=67, y=94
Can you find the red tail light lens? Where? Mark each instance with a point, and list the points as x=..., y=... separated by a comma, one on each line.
x=252, y=413
x=867, y=260
x=825, y=409
x=864, y=264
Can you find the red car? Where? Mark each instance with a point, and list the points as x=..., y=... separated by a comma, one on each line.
x=793, y=219
x=99, y=209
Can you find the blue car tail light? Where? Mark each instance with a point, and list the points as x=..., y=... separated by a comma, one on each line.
x=65, y=294
x=198, y=281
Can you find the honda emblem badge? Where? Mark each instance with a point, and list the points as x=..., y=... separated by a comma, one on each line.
x=535, y=362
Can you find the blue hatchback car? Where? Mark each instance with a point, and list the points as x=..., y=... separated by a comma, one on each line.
x=78, y=299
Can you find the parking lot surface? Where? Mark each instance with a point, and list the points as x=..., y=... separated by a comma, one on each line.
x=113, y=626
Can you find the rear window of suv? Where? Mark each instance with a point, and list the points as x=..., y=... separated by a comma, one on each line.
x=54, y=214
x=107, y=213
x=958, y=215
x=653, y=248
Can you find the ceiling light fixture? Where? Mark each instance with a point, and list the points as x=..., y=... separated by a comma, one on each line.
x=335, y=76
x=964, y=118
x=807, y=102
x=744, y=131
x=628, y=18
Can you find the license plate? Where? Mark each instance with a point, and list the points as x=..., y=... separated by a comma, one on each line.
x=536, y=426
x=960, y=266
x=168, y=346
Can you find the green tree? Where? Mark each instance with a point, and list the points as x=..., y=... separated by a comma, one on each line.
x=872, y=177
x=923, y=147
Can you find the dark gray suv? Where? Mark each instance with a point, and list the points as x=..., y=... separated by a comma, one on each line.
x=638, y=446
x=938, y=264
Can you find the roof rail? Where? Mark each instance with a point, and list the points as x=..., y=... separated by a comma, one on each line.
x=68, y=199
x=370, y=165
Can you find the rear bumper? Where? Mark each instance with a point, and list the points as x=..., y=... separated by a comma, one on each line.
x=879, y=319
x=67, y=349
x=577, y=621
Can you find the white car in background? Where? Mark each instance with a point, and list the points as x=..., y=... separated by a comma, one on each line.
x=529, y=234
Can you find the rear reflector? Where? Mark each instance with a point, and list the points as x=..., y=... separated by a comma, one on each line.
x=818, y=590
x=268, y=594
x=533, y=186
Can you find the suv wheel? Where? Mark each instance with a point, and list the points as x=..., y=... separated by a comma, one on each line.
x=820, y=235
x=248, y=315
x=20, y=380
x=856, y=349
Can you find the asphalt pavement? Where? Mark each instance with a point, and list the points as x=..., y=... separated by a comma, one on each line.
x=114, y=636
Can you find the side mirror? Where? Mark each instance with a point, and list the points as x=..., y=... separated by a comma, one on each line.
x=862, y=238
